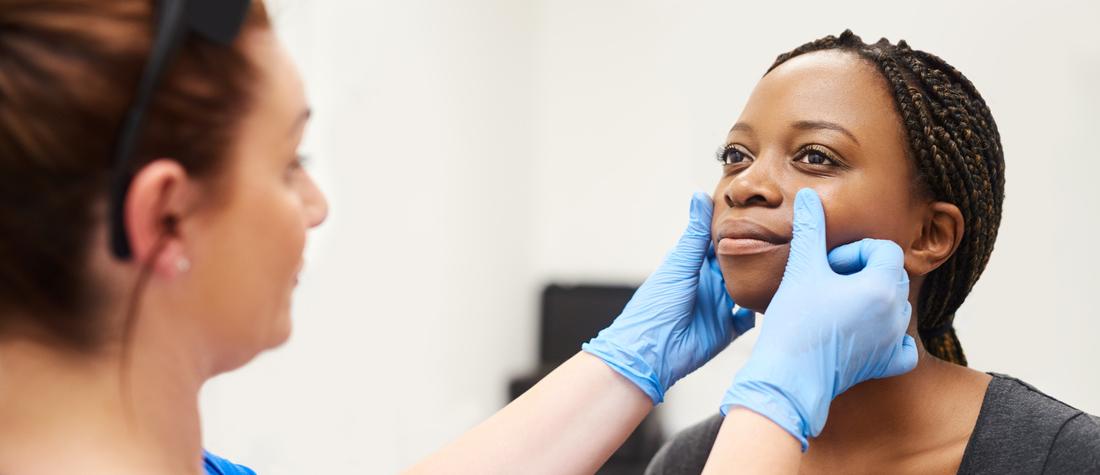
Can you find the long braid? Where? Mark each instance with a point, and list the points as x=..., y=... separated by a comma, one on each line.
x=954, y=143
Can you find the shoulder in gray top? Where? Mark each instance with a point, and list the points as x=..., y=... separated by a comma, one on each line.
x=1019, y=430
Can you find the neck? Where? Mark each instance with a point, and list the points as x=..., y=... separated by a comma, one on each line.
x=885, y=403
x=932, y=408
x=120, y=411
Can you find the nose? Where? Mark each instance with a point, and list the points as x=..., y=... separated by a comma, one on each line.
x=315, y=203
x=753, y=186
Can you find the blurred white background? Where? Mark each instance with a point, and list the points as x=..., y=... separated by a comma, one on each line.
x=474, y=150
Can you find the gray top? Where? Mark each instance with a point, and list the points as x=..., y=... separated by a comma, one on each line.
x=1019, y=430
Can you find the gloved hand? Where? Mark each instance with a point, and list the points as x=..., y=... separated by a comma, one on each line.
x=679, y=318
x=825, y=331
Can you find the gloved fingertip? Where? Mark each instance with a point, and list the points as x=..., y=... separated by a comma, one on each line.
x=883, y=254
x=694, y=244
x=702, y=207
x=848, y=258
x=909, y=349
x=908, y=342
x=808, y=228
x=866, y=253
x=904, y=358
x=807, y=204
x=743, y=319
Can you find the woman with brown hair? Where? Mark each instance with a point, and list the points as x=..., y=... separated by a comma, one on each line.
x=153, y=214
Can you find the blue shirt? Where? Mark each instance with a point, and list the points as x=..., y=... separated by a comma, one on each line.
x=215, y=465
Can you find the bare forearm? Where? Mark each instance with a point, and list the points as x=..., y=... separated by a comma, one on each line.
x=570, y=422
x=751, y=443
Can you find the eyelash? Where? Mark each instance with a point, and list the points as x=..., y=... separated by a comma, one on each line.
x=723, y=155
x=299, y=162
x=296, y=167
x=805, y=152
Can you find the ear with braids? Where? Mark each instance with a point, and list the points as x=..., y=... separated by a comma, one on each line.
x=954, y=143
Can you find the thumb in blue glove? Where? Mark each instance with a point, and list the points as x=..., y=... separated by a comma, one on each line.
x=826, y=329
x=679, y=318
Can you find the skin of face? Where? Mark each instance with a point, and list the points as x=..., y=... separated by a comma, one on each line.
x=826, y=121
x=246, y=244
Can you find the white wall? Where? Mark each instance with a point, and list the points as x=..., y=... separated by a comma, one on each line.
x=474, y=150
x=416, y=300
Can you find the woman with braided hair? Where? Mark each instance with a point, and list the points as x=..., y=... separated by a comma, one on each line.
x=901, y=147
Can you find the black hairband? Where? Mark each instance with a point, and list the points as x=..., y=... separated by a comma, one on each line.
x=219, y=21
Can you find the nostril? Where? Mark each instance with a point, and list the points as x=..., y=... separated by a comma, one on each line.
x=756, y=199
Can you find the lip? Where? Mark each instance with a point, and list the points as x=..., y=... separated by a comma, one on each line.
x=740, y=237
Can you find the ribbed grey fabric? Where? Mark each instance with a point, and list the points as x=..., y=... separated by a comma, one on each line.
x=1019, y=430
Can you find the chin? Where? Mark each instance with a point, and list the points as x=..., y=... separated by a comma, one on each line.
x=752, y=280
x=257, y=339
x=280, y=331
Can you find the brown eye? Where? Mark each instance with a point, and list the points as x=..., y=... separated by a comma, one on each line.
x=731, y=155
x=296, y=166
x=814, y=156
x=299, y=162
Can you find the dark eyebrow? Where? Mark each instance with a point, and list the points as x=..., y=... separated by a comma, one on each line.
x=822, y=124
x=742, y=127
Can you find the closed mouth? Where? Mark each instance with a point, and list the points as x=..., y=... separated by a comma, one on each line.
x=744, y=237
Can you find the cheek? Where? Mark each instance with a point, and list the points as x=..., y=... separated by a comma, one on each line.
x=279, y=238
x=269, y=233
x=853, y=211
x=256, y=253
x=856, y=212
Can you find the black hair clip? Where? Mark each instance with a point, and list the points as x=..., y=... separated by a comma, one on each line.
x=219, y=21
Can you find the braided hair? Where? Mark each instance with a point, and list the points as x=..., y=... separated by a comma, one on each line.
x=954, y=143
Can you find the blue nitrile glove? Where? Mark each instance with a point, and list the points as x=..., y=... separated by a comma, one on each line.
x=678, y=319
x=826, y=330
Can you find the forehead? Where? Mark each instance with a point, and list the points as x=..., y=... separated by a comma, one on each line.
x=278, y=100
x=834, y=86
x=268, y=132
x=281, y=85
